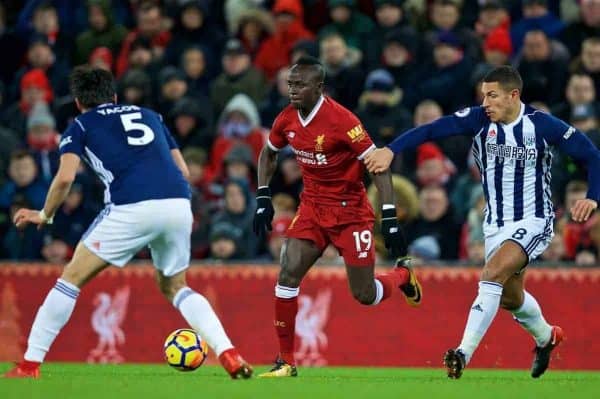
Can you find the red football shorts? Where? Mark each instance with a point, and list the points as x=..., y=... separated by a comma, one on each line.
x=349, y=228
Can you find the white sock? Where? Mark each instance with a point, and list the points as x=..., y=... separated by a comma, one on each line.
x=50, y=319
x=378, y=292
x=201, y=317
x=482, y=313
x=529, y=315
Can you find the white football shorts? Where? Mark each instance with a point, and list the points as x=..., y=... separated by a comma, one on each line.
x=532, y=234
x=121, y=231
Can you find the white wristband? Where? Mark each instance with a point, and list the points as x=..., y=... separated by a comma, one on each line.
x=45, y=218
x=388, y=206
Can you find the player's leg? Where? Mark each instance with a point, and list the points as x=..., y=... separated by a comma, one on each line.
x=506, y=261
x=355, y=244
x=196, y=310
x=170, y=249
x=527, y=312
x=57, y=309
x=297, y=257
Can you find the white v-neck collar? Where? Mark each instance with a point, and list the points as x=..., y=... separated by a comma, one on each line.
x=312, y=114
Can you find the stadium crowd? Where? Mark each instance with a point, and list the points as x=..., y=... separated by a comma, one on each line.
x=216, y=71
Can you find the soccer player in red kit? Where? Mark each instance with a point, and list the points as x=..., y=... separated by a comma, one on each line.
x=330, y=144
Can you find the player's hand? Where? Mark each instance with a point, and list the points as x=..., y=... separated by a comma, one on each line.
x=25, y=216
x=393, y=235
x=264, y=212
x=379, y=160
x=583, y=209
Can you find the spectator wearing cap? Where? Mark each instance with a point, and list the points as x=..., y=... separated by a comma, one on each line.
x=543, y=68
x=42, y=140
x=224, y=242
x=444, y=80
x=389, y=17
x=536, y=16
x=238, y=76
x=407, y=207
x=399, y=57
x=191, y=123
x=135, y=87
x=580, y=91
x=239, y=123
x=239, y=211
x=434, y=167
x=172, y=87
x=239, y=164
x=380, y=109
x=445, y=18
x=35, y=87
x=149, y=25
x=253, y=26
x=101, y=58
x=354, y=26
x=194, y=25
x=41, y=56
x=436, y=222
x=198, y=71
x=343, y=76
x=492, y=15
x=103, y=31
x=274, y=52
x=588, y=25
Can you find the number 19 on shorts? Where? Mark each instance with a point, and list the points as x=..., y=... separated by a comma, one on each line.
x=362, y=240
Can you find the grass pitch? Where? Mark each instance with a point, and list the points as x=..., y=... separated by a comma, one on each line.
x=62, y=380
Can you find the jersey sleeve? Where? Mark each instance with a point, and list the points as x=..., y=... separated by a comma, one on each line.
x=277, y=138
x=170, y=139
x=355, y=135
x=575, y=144
x=466, y=122
x=72, y=140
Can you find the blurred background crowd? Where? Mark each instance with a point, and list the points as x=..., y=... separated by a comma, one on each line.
x=216, y=70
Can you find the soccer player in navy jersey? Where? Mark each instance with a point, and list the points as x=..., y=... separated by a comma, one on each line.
x=512, y=145
x=147, y=203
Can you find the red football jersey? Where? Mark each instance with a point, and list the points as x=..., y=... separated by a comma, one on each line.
x=329, y=144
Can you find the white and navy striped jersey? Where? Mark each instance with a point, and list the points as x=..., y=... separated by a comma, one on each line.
x=129, y=149
x=514, y=159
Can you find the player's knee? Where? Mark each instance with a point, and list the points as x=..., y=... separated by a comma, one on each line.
x=169, y=289
x=510, y=303
x=364, y=297
x=495, y=274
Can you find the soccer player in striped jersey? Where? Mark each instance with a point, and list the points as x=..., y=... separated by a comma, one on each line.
x=512, y=144
x=147, y=202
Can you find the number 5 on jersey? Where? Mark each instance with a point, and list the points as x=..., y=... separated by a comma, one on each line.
x=129, y=125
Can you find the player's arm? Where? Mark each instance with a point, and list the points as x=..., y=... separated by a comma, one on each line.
x=580, y=147
x=267, y=164
x=464, y=122
x=61, y=184
x=180, y=162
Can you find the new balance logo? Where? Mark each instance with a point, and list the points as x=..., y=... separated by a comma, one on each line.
x=321, y=159
x=362, y=255
x=477, y=307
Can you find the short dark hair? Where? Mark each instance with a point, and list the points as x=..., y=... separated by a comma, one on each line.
x=508, y=77
x=307, y=60
x=92, y=86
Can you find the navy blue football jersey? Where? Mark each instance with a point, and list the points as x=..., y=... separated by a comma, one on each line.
x=129, y=148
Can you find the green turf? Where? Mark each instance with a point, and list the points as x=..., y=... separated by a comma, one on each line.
x=158, y=381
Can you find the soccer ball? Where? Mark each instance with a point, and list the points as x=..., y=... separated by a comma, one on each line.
x=185, y=350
